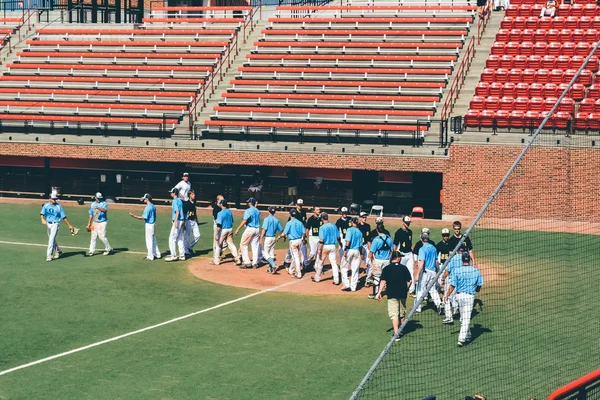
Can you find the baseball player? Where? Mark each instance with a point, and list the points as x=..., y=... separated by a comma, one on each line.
x=51, y=215
x=313, y=224
x=301, y=216
x=149, y=217
x=176, y=241
x=251, y=220
x=466, y=280
x=353, y=242
x=426, y=271
x=373, y=235
x=343, y=223
x=97, y=224
x=365, y=229
x=328, y=237
x=443, y=249
x=224, y=234
x=395, y=280
x=192, y=233
x=403, y=244
x=294, y=231
x=467, y=245
x=184, y=186
x=380, y=254
x=270, y=227
x=216, y=208
x=450, y=305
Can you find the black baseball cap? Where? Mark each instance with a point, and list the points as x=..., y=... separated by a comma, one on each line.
x=146, y=196
x=466, y=257
x=223, y=202
x=324, y=215
x=251, y=200
x=354, y=220
x=293, y=212
x=175, y=191
x=272, y=210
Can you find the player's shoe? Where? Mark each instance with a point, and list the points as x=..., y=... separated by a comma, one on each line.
x=419, y=309
x=449, y=321
x=372, y=296
x=345, y=289
x=107, y=252
x=312, y=278
x=90, y=253
x=460, y=344
x=48, y=258
x=170, y=258
x=254, y=266
x=213, y=262
x=57, y=254
x=149, y=258
x=181, y=258
x=238, y=262
x=368, y=284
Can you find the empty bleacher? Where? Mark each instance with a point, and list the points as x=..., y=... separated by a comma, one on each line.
x=370, y=72
x=532, y=62
x=139, y=80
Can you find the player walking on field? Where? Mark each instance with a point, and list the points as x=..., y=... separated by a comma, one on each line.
x=192, y=233
x=97, y=222
x=450, y=304
x=313, y=225
x=270, y=227
x=372, y=236
x=343, y=223
x=328, y=237
x=395, y=280
x=403, y=244
x=467, y=246
x=176, y=241
x=426, y=273
x=216, y=208
x=380, y=254
x=184, y=186
x=352, y=244
x=466, y=281
x=294, y=231
x=224, y=234
x=51, y=215
x=149, y=218
x=251, y=220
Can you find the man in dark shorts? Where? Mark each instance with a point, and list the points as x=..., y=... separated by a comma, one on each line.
x=467, y=246
x=395, y=280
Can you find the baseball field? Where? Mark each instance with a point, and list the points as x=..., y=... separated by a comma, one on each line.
x=536, y=327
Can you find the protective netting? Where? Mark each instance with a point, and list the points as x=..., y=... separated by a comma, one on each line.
x=536, y=322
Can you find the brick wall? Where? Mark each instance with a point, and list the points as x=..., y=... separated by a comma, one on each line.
x=471, y=173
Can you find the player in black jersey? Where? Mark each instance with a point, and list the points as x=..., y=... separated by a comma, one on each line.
x=403, y=244
x=343, y=223
x=192, y=233
x=444, y=247
x=373, y=235
x=313, y=224
x=467, y=246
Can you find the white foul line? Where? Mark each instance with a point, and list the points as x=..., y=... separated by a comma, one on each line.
x=89, y=346
x=65, y=247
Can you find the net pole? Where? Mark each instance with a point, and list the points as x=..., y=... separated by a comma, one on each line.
x=474, y=223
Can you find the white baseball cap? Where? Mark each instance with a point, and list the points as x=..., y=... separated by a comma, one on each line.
x=425, y=230
x=406, y=219
x=344, y=210
x=445, y=231
x=54, y=195
x=300, y=201
x=98, y=195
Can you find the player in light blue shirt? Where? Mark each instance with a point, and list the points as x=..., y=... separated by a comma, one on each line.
x=223, y=234
x=149, y=217
x=251, y=236
x=176, y=237
x=294, y=231
x=97, y=222
x=428, y=254
x=451, y=306
x=225, y=219
x=353, y=242
x=51, y=215
x=354, y=238
x=328, y=238
x=177, y=210
x=328, y=234
x=98, y=210
x=270, y=227
x=465, y=280
x=425, y=273
x=381, y=246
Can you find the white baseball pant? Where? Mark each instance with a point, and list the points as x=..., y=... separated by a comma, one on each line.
x=224, y=244
x=226, y=237
x=176, y=241
x=99, y=232
x=368, y=263
x=269, y=248
x=328, y=251
x=250, y=237
x=303, y=257
x=313, y=245
x=451, y=303
x=465, y=305
x=192, y=235
x=151, y=245
x=296, y=264
x=409, y=261
x=52, y=230
x=351, y=260
x=428, y=276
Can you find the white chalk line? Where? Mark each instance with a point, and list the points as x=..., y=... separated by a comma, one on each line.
x=66, y=247
x=113, y=339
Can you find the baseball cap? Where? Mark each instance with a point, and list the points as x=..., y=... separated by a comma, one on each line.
x=406, y=219
x=272, y=210
x=98, y=195
x=324, y=215
x=354, y=220
x=223, y=202
x=425, y=230
x=293, y=212
x=186, y=174
x=300, y=201
x=146, y=196
x=379, y=220
x=445, y=231
x=363, y=214
x=174, y=191
x=424, y=236
x=344, y=210
x=251, y=200
x=466, y=257
x=54, y=195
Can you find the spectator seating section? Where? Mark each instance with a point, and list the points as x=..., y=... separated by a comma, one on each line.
x=8, y=26
x=143, y=80
x=531, y=64
x=344, y=71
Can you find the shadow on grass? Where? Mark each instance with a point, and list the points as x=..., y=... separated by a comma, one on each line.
x=478, y=330
x=72, y=253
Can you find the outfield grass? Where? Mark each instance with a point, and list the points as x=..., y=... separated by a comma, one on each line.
x=275, y=345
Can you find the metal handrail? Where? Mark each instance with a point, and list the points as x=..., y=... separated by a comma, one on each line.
x=459, y=80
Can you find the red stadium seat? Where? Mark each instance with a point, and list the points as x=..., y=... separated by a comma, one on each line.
x=542, y=76
x=562, y=62
x=581, y=120
x=554, y=49
x=516, y=119
x=550, y=90
x=506, y=61
x=503, y=118
x=561, y=119
x=571, y=22
x=549, y=103
x=531, y=23
x=586, y=78
x=564, y=10
x=514, y=35
x=565, y=35
x=553, y=35
x=512, y=48
x=578, y=35
x=514, y=75
x=522, y=89
x=536, y=90
x=519, y=23
x=520, y=61
x=590, y=35
x=577, y=92
x=594, y=91
x=534, y=62
x=567, y=49
x=493, y=61
x=536, y=104
x=472, y=118
x=540, y=35
x=562, y=87
x=536, y=10
x=586, y=22
x=498, y=49
x=507, y=22
x=524, y=11
x=502, y=35
x=590, y=10
x=477, y=103
x=539, y=49
x=531, y=119
x=576, y=10
x=506, y=103
x=527, y=35
x=496, y=89
x=488, y=75
x=575, y=62
x=548, y=62
x=556, y=76
x=482, y=89
x=502, y=75
x=595, y=21
x=492, y=103
x=557, y=23
x=486, y=118
x=509, y=89
x=528, y=75
x=512, y=10
x=582, y=49
x=567, y=105
x=597, y=106
x=526, y=49
x=593, y=119
x=522, y=103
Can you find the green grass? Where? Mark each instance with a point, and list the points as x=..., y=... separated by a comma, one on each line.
x=275, y=345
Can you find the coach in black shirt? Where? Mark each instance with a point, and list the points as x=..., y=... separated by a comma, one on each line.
x=467, y=246
x=395, y=280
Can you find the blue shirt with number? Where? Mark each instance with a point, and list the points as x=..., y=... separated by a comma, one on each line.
x=225, y=219
x=294, y=229
x=271, y=225
x=428, y=254
x=381, y=247
x=97, y=215
x=329, y=234
x=466, y=278
x=252, y=217
x=355, y=237
x=177, y=205
x=149, y=213
x=53, y=213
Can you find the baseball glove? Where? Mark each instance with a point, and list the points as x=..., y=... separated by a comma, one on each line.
x=74, y=231
x=88, y=228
